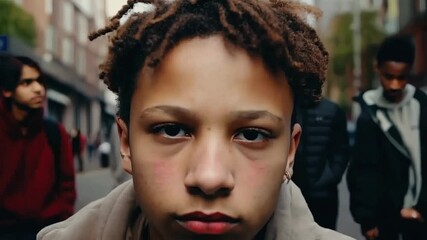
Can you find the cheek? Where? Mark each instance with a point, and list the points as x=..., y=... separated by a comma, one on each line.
x=18, y=94
x=257, y=174
x=265, y=175
x=266, y=168
x=162, y=172
x=384, y=82
x=154, y=170
x=153, y=167
x=157, y=181
x=261, y=190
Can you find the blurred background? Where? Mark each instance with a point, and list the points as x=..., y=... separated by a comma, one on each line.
x=54, y=32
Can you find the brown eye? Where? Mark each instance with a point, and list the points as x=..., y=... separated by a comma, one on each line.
x=253, y=135
x=171, y=130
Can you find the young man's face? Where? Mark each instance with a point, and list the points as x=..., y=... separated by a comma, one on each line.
x=30, y=93
x=210, y=140
x=393, y=77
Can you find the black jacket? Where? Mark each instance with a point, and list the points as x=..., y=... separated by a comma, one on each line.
x=322, y=155
x=378, y=172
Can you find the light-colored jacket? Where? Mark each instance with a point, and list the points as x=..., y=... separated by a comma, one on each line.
x=108, y=219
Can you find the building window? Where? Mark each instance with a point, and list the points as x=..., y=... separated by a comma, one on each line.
x=81, y=61
x=49, y=7
x=67, y=51
x=83, y=28
x=67, y=17
x=50, y=39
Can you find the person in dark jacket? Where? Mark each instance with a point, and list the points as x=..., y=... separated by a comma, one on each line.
x=34, y=190
x=387, y=176
x=77, y=148
x=321, y=159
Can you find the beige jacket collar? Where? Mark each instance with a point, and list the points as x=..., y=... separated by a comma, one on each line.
x=109, y=219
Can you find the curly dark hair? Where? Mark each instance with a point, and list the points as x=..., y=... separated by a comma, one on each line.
x=398, y=48
x=271, y=29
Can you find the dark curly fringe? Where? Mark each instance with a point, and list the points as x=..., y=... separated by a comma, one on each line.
x=274, y=30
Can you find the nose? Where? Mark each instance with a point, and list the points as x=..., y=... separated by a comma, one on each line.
x=210, y=173
x=395, y=84
x=38, y=87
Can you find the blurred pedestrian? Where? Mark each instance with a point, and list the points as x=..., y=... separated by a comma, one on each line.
x=104, y=150
x=77, y=148
x=93, y=144
x=206, y=98
x=37, y=185
x=321, y=159
x=83, y=144
x=387, y=176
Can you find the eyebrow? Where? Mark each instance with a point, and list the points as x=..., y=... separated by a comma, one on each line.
x=252, y=115
x=184, y=113
x=387, y=75
x=168, y=109
x=29, y=79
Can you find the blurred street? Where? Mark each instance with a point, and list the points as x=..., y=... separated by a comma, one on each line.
x=92, y=185
x=345, y=223
x=96, y=183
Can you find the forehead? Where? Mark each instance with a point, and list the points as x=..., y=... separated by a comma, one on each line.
x=204, y=56
x=204, y=73
x=393, y=67
x=29, y=72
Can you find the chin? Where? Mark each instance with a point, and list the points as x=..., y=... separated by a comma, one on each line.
x=36, y=108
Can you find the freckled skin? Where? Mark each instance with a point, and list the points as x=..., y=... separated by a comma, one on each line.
x=226, y=144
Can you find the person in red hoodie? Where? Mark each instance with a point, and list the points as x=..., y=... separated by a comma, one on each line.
x=37, y=182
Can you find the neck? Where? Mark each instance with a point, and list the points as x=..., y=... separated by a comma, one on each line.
x=395, y=100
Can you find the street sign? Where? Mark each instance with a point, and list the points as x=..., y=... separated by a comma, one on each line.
x=4, y=43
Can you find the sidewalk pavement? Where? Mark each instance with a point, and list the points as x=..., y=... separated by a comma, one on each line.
x=92, y=185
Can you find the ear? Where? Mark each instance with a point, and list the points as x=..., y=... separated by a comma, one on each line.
x=296, y=135
x=7, y=94
x=124, y=145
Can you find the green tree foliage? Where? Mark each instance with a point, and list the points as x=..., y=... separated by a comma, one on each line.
x=15, y=22
x=342, y=43
x=341, y=50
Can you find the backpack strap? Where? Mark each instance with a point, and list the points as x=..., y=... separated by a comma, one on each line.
x=54, y=140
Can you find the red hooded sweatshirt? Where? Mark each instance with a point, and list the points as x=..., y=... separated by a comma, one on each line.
x=31, y=196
